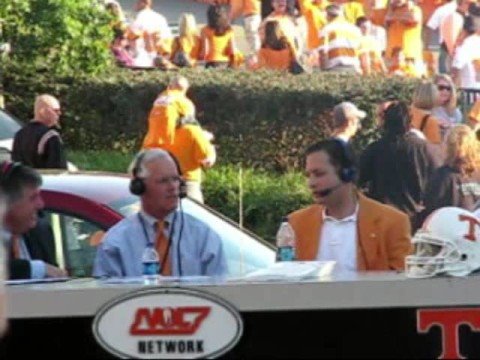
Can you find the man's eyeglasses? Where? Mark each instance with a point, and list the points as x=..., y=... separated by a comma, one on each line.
x=444, y=87
x=168, y=179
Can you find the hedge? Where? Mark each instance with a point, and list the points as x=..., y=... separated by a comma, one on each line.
x=259, y=118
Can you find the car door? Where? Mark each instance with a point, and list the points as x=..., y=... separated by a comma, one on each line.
x=76, y=241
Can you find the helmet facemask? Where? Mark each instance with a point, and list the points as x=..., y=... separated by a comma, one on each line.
x=433, y=256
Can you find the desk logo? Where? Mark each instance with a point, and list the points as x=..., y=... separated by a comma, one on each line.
x=449, y=321
x=168, y=323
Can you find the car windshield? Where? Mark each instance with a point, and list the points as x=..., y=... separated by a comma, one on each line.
x=8, y=126
x=245, y=251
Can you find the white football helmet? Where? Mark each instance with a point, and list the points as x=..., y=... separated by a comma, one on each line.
x=447, y=243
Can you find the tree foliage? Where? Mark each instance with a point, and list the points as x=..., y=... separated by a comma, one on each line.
x=56, y=36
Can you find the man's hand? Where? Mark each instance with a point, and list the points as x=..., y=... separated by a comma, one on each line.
x=55, y=272
x=208, y=135
x=208, y=162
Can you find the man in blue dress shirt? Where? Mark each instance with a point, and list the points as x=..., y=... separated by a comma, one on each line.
x=193, y=247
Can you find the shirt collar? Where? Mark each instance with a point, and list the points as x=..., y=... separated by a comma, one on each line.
x=349, y=218
x=152, y=221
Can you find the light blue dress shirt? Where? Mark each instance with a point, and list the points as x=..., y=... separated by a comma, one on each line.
x=201, y=252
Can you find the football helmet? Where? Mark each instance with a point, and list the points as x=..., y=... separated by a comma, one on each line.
x=447, y=243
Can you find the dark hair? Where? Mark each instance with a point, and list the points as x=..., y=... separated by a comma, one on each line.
x=293, y=7
x=274, y=38
x=469, y=25
x=217, y=19
x=361, y=20
x=15, y=177
x=339, y=152
x=396, y=119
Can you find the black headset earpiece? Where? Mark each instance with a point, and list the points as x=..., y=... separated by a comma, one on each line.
x=137, y=185
x=183, y=185
x=348, y=171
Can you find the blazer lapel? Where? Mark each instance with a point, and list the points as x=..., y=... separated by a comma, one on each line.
x=310, y=235
x=367, y=235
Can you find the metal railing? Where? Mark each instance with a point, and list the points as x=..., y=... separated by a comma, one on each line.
x=466, y=99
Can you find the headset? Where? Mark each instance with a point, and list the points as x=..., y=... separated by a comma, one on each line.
x=137, y=184
x=137, y=187
x=348, y=171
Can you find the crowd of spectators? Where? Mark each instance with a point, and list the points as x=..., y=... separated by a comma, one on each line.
x=418, y=39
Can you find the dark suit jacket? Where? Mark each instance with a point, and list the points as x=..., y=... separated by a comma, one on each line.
x=41, y=246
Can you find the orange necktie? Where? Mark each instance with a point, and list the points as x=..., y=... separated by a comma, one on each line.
x=16, y=246
x=162, y=248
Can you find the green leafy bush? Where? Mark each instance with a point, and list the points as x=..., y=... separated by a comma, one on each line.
x=61, y=36
x=261, y=119
x=263, y=200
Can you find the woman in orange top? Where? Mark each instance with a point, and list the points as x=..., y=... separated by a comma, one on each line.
x=276, y=53
x=218, y=47
x=186, y=46
x=426, y=97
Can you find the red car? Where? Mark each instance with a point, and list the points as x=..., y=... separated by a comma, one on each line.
x=81, y=206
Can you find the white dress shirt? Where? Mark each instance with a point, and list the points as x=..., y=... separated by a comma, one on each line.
x=338, y=241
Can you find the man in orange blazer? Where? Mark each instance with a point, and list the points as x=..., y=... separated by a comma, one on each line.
x=344, y=225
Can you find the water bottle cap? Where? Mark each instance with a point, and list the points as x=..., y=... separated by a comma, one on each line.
x=285, y=219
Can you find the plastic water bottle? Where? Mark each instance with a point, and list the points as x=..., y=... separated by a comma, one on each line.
x=286, y=242
x=150, y=261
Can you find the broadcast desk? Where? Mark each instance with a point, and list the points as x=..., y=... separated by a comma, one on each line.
x=379, y=315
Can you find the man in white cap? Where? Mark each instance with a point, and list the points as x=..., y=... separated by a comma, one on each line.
x=346, y=121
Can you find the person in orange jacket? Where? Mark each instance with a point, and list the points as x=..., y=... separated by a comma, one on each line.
x=344, y=225
x=171, y=105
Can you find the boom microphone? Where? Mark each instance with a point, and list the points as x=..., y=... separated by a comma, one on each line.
x=328, y=191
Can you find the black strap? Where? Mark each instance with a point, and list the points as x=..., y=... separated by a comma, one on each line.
x=424, y=122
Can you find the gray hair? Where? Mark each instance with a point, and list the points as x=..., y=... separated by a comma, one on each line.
x=137, y=167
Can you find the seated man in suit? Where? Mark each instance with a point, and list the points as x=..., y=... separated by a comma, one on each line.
x=29, y=240
x=344, y=225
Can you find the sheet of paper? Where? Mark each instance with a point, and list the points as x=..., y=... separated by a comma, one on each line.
x=292, y=271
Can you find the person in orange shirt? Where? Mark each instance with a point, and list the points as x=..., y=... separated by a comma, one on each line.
x=287, y=25
x=171, y=105
x=218, y=46
x=186, y=46
x=275, y=53
x=404, y=29
x=425, y=98
x=194, y=152
x=315, y=16
x=344, y=225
